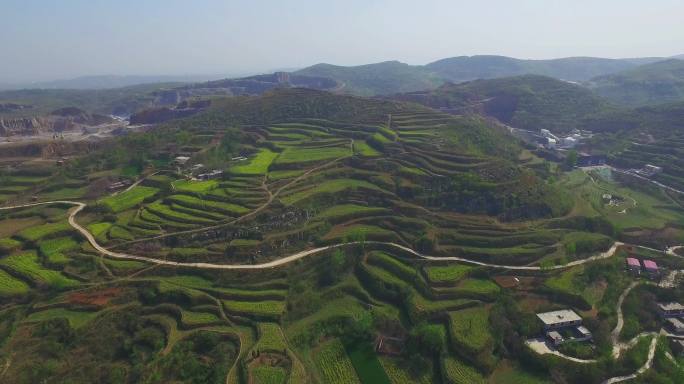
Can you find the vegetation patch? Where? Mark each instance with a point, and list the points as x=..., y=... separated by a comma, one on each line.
x=270, y=338
x=129, y=199
x=330, y=187
x=8, y=245
x=350, y=211
x=207, y=205
x=27, y=265
x=455, y=371
x=398, y=372
x=195, y=186
x=334, y=365
x=448, y=273
x=266, y=374
x=266, y=308
x=198, y=318
x=43, y=231
x=366, y=364
x=305, y=155
x=10, y=286
x=357, y=231
x=76, y=319
x=362, y=148
x=469, y=329
x=258, y=165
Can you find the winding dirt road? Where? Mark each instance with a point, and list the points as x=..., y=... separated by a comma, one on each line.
x=78, y=207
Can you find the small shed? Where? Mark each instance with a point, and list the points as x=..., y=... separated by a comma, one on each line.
x=583, y=333
x=651, y=267
x=675, y=325
x=555, y=338
x=634, y=265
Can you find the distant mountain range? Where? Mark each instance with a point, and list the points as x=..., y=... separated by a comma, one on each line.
x=528, y=101
x=109, y=81
x=627, y=82
x=395, y=77
x=655, y=83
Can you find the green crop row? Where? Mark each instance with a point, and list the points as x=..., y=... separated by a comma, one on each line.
x=76, y=319
x=268, y=308
x=455, y=371
x=198, y=318
x=469, y=329
x=399, y=373
x=195, y=186
x=58, y=245
x=8, y=245
x=448, y=273
x=402, y=270
x=10, y=286
x=167, y=213
x=304, y=155
x=27, y=265
x=42, y=231
x=270, y=338
x=266, y=374
x=258, y=165
x=207, y=205
x=330, y=187
x=348, y=211
x=129, y=199
x=333, y=363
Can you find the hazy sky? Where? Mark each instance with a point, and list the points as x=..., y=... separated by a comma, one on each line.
x=51, y=39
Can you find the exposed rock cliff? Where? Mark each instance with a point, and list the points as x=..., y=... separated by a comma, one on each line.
x=62, y=120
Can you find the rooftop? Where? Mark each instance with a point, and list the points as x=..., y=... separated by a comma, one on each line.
x=583, y=330
x=633, y=262
x=675, y=322
x=555, y=317
x=650, y=264
x=554, y=335
x=671, y=306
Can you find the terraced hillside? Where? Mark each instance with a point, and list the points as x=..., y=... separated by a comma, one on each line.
x=408, y=175
x=88, y=279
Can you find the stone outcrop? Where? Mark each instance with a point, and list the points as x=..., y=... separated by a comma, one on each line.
x=62, y=120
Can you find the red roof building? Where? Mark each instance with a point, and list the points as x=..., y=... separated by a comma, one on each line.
x=651, y=267
x=632, y=262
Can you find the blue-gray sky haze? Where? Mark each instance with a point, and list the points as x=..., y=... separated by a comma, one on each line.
x=52, y=39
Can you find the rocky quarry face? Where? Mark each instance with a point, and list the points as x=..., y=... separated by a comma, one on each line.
x=63, y=120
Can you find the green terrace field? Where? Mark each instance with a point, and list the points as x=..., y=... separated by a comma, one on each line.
x=258, y=165
x=128, y=199
x=333, y=363
x=10, y=286
x=303, y=155
x=28, y=267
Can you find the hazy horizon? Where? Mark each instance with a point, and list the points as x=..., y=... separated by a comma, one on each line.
x=76, y=38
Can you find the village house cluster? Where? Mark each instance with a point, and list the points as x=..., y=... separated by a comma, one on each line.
x=648, y=267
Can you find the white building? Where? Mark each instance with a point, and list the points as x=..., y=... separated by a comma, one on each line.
x=569, y=142
x=181, y=160
x=559, y=319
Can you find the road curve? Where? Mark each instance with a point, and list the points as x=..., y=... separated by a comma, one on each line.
x=647, y=365
x=615, y=334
